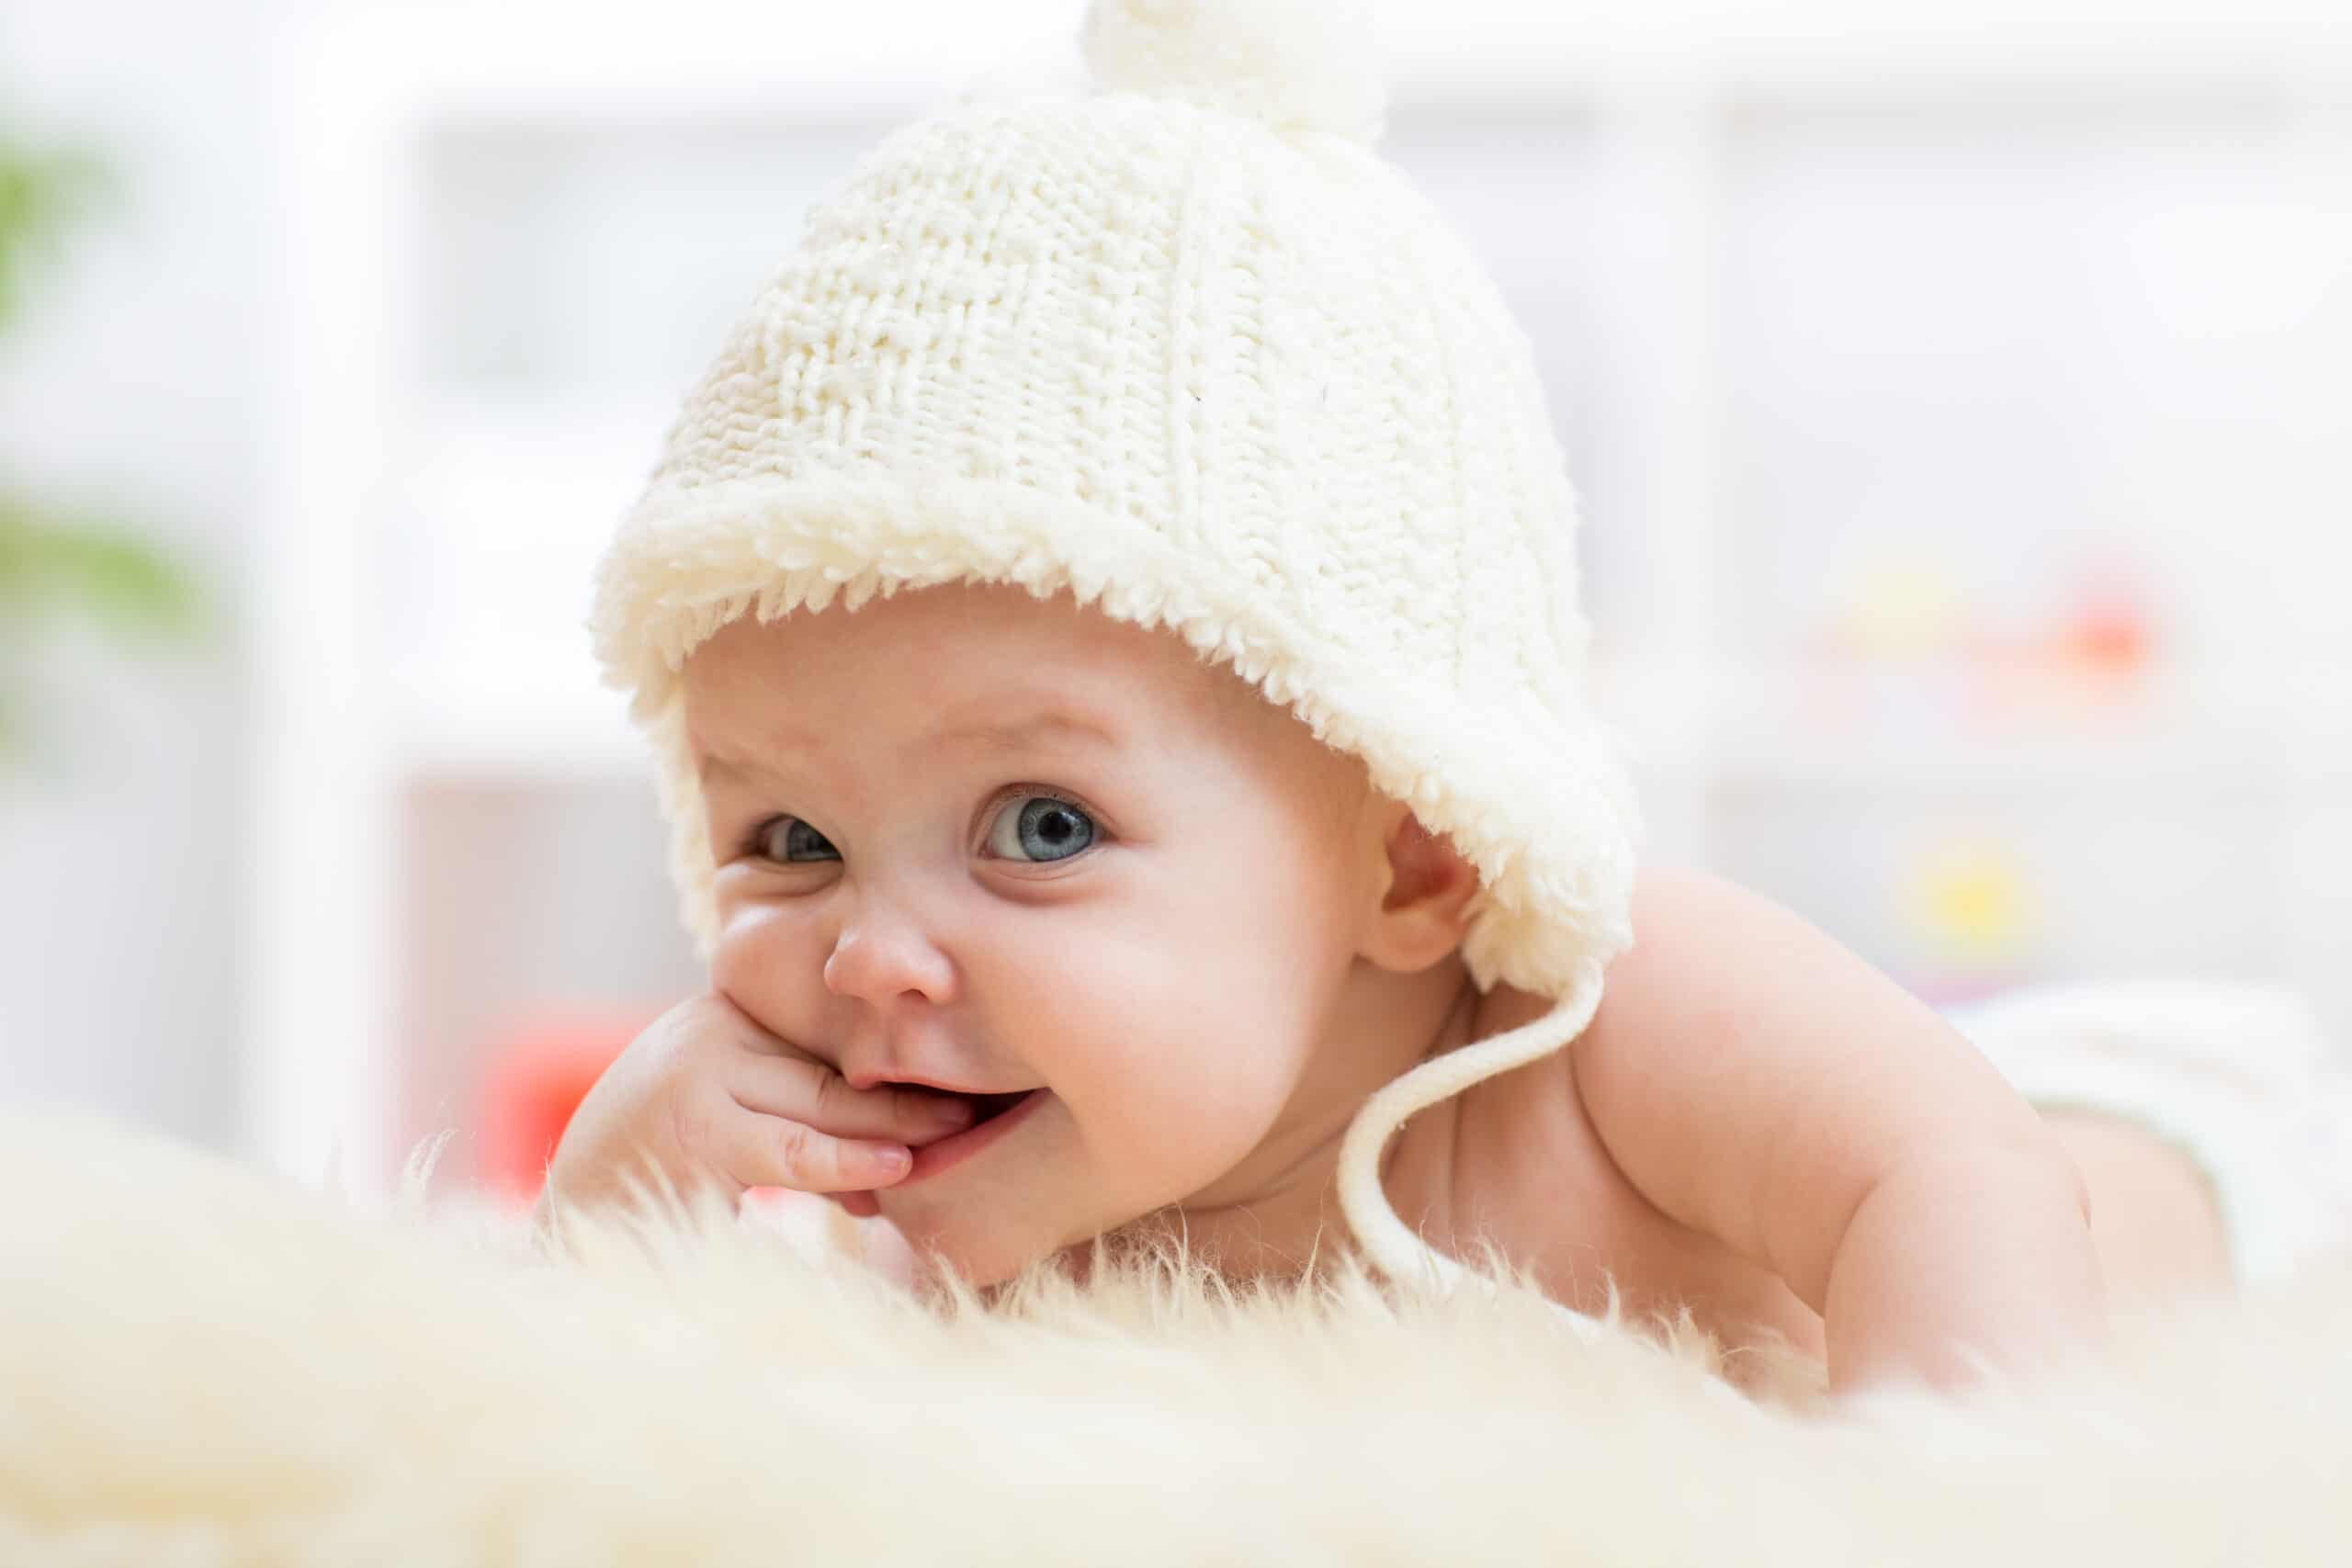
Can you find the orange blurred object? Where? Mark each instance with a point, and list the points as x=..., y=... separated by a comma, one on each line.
x=2110, y=638
x=538, y=1076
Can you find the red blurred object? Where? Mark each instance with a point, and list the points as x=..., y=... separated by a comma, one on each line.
x=538, y=1076
x=2111, y=628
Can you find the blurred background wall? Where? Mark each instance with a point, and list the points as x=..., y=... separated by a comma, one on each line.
x=1955, y=395
x=129, y=387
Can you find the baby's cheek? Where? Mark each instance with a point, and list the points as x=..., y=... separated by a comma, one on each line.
x=767, y=967
x=730, y=966
x=1182, y=1079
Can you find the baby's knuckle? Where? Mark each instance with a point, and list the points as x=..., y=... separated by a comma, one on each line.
x=686, y=1020
x=706, y=1035
x=670, y=1071
x=796, y=1148
x=691, y=1122
x=826, y=1100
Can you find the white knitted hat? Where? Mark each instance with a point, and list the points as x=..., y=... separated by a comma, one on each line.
x=1179, y=342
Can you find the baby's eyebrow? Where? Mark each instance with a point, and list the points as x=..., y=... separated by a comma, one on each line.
x=1005, y=733
x=1000, y=734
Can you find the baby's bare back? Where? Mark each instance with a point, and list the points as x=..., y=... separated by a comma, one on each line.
x=1522, y=1162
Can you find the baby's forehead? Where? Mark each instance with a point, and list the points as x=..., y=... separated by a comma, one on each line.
x=947, y=643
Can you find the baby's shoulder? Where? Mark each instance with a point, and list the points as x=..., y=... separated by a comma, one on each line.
x=1531, y=1173
x=1526, y=1156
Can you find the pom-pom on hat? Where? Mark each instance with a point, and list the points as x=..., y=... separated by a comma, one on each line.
x=1180, y=344
x=1290, y=66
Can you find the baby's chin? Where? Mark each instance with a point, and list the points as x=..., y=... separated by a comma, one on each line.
x=984, y=1237
x=984, y=1262
x=982, y=1250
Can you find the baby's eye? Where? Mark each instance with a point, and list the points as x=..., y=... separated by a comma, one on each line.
x=791, y=840
x=1039, y=828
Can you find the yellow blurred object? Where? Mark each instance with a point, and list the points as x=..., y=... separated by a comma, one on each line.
x=1903, y=607
x=1971, y=897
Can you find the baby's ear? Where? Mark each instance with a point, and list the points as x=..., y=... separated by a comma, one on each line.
x=1425, y=896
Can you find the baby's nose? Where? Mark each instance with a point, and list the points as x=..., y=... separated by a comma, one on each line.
x=879, y=963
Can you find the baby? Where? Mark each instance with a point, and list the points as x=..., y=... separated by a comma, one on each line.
x=1109, y=621
x=980, y=855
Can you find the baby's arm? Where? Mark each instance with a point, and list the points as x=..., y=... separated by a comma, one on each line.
x=1758, y=1082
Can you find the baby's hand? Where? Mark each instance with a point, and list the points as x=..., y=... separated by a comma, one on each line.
x=707, y=1097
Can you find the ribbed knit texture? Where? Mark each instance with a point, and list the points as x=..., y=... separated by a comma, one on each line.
x=1182, y=346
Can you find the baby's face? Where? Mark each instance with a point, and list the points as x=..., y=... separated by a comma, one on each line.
x=970, y=838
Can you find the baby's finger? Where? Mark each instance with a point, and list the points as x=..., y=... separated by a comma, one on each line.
x=809, y=1092
x=772, y=1151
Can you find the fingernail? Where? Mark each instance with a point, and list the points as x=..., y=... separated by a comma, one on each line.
x=893, y=1159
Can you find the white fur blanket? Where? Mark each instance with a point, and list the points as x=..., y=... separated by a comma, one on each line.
x=199, y=1366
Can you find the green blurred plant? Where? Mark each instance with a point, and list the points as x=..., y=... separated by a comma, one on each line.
x=60, y=561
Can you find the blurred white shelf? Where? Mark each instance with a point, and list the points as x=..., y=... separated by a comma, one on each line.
x=491, y=670
x=2155, y=734
x=1948, y=764
x=1749, y=727
x=740, y=59
x=517, y=498
x=451, y=721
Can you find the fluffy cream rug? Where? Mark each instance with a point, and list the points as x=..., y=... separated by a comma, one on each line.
x=198, y=1366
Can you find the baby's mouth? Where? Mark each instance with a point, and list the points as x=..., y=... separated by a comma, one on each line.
x=985, y=1107
x=991, y=1106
